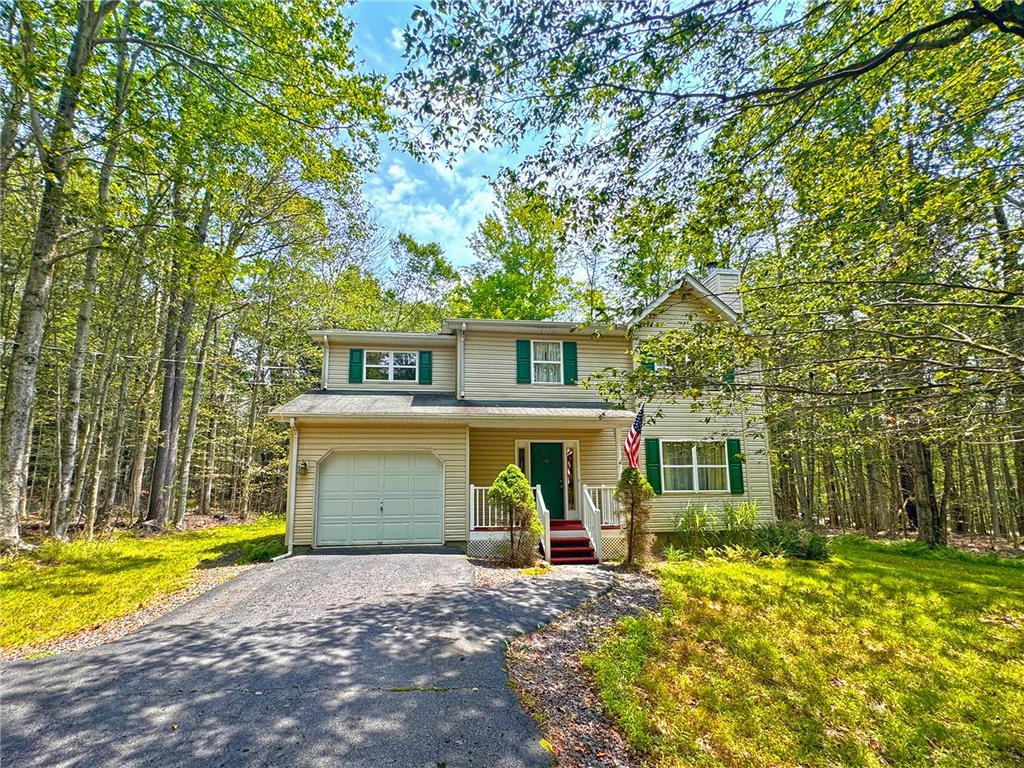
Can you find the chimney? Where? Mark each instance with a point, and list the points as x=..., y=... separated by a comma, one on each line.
x=725, y=284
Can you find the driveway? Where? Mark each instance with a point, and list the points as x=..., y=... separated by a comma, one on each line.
x=320, y=660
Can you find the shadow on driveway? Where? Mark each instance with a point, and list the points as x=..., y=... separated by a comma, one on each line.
x=370, y=659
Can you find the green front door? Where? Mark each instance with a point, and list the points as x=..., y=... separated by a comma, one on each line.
x=546, y=470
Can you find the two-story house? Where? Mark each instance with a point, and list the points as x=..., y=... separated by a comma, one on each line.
x=408, y=431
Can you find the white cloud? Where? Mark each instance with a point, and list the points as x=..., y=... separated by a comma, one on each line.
x=398, y=39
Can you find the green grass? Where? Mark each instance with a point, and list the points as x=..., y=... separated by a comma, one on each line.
x=62, y=589
x=887, y=655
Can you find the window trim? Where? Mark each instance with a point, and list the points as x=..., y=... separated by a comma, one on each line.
x=560, y=362
x=694, y=466
x=391, y=366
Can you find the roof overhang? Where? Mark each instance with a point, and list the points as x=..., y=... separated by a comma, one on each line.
x=342, y=336
x=534, y=327
x=344, y=407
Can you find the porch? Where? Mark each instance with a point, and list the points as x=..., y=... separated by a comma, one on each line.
x=573, y=474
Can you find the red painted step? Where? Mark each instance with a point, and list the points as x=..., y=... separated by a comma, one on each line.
x=569, y=541
x=574, y=561
x=566, y=525
x=572, y=552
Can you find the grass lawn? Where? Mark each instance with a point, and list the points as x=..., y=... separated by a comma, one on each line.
x=887, y=655
x=61, y=589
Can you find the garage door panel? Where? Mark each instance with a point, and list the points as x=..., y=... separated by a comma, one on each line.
x=380, y=497
x=397, y=483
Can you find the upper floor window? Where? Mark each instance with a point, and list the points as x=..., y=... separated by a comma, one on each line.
x=390, y=366
x=547, y=362
x=694, y=465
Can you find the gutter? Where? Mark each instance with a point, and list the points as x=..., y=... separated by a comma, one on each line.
x=293, y=456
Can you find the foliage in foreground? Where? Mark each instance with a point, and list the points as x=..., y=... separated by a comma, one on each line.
x=63, y=588
x=890, y=655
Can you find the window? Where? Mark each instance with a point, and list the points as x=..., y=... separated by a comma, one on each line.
x=547, y=362
x=390, y=366
x=694, y=466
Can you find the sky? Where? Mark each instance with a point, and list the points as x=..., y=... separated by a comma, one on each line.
x=432, y=203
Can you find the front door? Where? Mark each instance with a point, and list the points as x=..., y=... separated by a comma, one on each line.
x=546, y=470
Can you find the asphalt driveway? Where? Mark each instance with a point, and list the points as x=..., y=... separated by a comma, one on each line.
x=321, y=660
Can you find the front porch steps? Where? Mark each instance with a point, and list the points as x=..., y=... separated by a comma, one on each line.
x=570, y=544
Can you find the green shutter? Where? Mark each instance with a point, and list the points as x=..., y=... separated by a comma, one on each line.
x=730, y=376
x=523, y=361
x=355, y=366
x=734, y=452
x=647, y=365
x=569, y=368
x=426, y=367
x=652, y=454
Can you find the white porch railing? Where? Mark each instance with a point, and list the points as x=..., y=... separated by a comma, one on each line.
x=603, y=497
x=545, y=521
x=592, y=523
x=484, y=513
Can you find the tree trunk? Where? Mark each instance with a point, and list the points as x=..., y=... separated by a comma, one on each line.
x=193, y=417
x=55, y=158
x=76, y=362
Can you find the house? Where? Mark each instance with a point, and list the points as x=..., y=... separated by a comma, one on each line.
x=408, y=431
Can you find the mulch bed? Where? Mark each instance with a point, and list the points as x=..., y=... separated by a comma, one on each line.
x=547, y=674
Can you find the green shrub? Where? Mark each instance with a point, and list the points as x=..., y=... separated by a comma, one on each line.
x=262, y=550
x=791, y=541
x=511, y=491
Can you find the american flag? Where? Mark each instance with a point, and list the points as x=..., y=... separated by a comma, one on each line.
x=632, y=444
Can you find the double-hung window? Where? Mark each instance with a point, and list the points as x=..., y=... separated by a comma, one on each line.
x=694, y=465
x=390, y=366
x=546, y=361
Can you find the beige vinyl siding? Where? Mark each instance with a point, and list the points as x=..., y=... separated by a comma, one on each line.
x=490, y=366
x=679, y=422
x=447, y=442
x=491, y=450
x=443, y=368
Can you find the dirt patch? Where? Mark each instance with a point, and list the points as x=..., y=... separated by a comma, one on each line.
x=489, y=573
x=545, y=670
x=206, y=579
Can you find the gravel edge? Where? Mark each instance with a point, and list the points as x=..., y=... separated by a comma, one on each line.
x=546, y=673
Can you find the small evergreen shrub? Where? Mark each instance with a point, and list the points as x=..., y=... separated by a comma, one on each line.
x=634, y=495
x=511, y=491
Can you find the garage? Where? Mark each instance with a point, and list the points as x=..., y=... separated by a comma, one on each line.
x=379, y=497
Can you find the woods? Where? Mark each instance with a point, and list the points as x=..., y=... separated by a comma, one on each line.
x=181, y=198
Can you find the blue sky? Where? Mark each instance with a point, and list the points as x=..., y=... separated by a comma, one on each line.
x=433, y=203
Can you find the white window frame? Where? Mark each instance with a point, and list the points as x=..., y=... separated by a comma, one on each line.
x=694, y=466
x=391, y=366
x=560, y=362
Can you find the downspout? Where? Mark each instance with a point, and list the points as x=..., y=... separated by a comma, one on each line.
x=327, y=363
x=462, y=363
x=293, y=455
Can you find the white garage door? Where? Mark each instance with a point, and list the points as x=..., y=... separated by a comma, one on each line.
x=379, y=497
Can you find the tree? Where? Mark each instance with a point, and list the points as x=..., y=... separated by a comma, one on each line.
x=633, y=494
x=511, y=492
x=844, y=157
x=518, y=275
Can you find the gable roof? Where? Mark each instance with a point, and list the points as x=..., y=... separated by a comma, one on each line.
x=702, y=291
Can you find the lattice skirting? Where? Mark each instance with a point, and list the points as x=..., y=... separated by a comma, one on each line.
x=486, y=548
x=613, y=548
